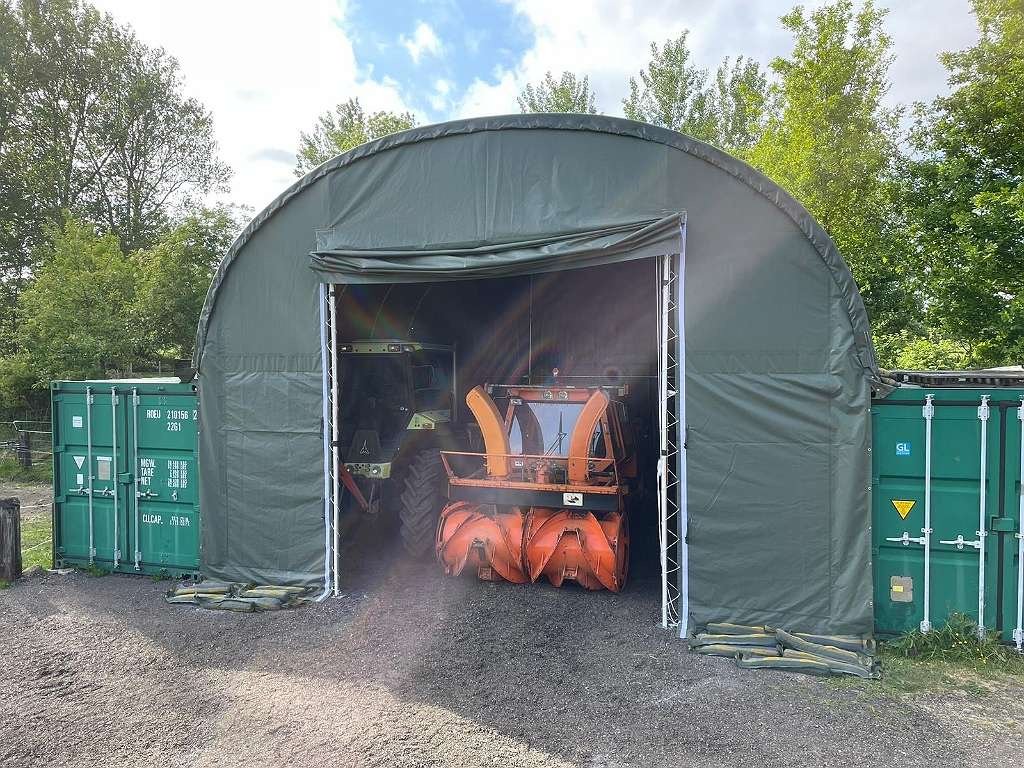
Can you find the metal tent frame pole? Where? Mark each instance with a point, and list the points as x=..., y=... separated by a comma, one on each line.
x=325, y=418
x=335, y=485
x=671, y=475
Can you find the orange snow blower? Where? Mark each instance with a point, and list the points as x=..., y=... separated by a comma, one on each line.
x=547, y=498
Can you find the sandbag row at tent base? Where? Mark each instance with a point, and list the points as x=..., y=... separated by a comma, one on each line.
x=759, y=647
x=242, y=598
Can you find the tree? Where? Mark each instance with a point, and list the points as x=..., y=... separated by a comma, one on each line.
x=966, y=192
x=833, y=145
x=175, y=276
x=92, y=122
x=675, y=93
x=79, y=317
x=347, y=127
x=672, y=92
x=567, y=94
x=152, y=151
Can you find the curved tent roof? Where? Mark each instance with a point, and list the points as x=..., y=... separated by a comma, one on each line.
x=779, y=359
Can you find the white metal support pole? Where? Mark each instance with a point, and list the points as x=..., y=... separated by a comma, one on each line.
x=928, y=411
x=113, y=471
x=983, y=414
x=135, y=473
x=335, y=486
x=681, y=484
x=662, y=277
x=1018, y=632
x=325, y=416
x=88, y=458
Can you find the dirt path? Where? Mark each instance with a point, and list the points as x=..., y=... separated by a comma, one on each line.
x=412, y=669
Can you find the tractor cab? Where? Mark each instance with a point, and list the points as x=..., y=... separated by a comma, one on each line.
x=388, y=392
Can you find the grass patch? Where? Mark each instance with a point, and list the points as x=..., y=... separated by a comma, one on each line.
x=952, y=657
x=11, y=470
x=36, y=542
x=4, y=584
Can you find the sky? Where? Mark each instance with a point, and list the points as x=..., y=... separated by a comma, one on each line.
x=267, y=68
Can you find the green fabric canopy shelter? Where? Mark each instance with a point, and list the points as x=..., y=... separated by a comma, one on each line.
x=776, y=360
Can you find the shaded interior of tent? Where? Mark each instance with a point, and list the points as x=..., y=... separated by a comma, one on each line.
x=595, y=326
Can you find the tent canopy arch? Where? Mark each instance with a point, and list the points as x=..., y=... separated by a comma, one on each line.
x=778, y=355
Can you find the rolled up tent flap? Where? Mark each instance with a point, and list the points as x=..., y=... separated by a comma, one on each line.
x=461, y=261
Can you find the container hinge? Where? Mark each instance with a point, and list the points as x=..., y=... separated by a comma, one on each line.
x=906, y=540
x=983, y=409
x=90, y=399
x=138, y=560
x=92, y=553
x=928, y=409
x=960, y=542
x=135, y=398
x=117, y=557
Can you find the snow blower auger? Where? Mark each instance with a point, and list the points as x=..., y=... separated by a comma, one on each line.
x=547, y=498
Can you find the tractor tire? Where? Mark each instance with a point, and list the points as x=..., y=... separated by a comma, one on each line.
x=421, y=502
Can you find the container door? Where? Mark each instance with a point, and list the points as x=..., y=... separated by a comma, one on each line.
x=164, y=519
x=1006, y=527
x=900, y=446
x=90, y=477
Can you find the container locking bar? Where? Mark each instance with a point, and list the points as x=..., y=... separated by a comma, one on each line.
x=1018, y=632
x=135, y=472
x=928, y=412
x=88, y=454
x=114, y=493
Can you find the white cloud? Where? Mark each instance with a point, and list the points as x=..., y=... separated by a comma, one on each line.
x=609, y=41
x=423, y=40
x=265, y=72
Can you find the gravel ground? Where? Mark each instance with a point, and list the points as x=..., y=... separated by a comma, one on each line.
x=413, y=669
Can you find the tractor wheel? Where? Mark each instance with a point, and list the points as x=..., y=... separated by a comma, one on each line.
x=421, y=502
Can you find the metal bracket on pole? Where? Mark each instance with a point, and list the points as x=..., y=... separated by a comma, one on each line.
x=928, y=412
x=906, y=540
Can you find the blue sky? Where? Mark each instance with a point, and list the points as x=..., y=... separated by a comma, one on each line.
x=435, y=50
x=267, y=68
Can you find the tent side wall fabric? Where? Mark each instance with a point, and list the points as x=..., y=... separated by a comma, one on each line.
x=778, y=356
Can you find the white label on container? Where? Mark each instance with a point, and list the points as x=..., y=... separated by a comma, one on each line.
x=76, y=422
x=102, y=467
x=80, y=478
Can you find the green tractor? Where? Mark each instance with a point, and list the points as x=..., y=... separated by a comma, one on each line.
x=395, y=414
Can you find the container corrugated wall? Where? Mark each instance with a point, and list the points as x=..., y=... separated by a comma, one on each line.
x=946, y=461
x=125, y=476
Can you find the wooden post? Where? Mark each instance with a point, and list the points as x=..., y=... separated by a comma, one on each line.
x=10, y=539
x=24, y=449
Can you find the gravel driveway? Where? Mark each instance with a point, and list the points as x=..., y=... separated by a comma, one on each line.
x=413, y=669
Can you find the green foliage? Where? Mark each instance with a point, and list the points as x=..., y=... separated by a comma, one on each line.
x=347, y=127
x=175, y=275
x=567, y=94
x=675, y=93
x=832, y=144
x=957, y=641
x=909, y=352
x=966, y=191
x=79, y=317
x=92, y=121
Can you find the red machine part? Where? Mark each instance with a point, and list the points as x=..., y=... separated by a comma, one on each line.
x=520, y=544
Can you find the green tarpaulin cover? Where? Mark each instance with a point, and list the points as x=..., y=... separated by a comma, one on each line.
x=779, y=361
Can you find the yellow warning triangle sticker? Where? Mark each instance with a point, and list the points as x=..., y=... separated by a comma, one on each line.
x=903, y=506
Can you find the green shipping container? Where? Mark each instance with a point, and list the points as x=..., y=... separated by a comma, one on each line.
x=946, y=495
x=125, y=475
